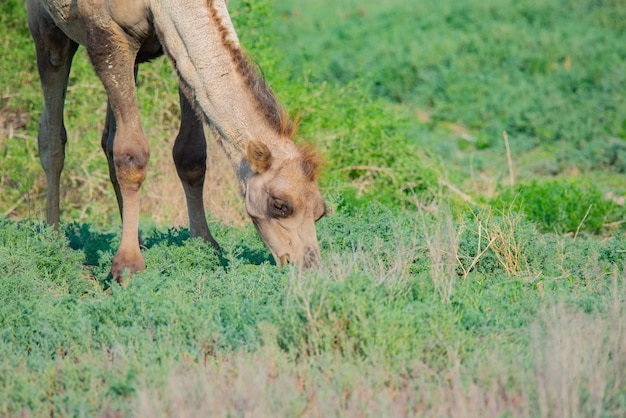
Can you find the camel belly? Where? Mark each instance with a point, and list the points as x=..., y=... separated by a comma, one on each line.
x=74, y=17
x=66, y=17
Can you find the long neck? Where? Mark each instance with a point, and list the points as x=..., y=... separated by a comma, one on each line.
x=199, y=38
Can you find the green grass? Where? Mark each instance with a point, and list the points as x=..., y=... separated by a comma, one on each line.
x=74, y=343
x=536, y=69
x=444, y=290
x=550, y=73
x=564, y=206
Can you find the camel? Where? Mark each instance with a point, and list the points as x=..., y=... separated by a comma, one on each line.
x=217, y=85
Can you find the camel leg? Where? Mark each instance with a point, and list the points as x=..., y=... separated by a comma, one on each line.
x=54, y=59
x=114, y=61
x=190, y=159
x=108, y=136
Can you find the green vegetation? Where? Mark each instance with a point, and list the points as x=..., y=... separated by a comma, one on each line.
x=564, y=206
x=376, y=318
x=460, y=277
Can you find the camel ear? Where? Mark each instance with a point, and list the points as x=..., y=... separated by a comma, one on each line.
x=259, y=157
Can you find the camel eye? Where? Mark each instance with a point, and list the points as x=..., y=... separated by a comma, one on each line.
x=279, y=208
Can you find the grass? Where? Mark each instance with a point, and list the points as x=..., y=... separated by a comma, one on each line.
x=549, y=73
x=218, y=328
x=445, y=290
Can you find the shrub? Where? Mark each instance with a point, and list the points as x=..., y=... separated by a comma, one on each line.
x=563, y=206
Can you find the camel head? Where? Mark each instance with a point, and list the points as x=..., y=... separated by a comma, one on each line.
x=284, y=202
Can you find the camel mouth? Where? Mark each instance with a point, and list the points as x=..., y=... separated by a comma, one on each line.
x=310, y=259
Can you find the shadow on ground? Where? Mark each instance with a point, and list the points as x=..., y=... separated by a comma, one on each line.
x=93, y=242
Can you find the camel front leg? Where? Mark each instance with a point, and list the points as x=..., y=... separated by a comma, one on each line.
x=190, y=159
x=108, y=137
x=54, y=59
x=114, y=62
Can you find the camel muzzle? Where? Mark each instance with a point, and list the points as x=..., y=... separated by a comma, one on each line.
x=310, y=258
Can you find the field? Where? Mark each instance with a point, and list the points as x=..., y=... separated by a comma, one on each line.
x=473, y=255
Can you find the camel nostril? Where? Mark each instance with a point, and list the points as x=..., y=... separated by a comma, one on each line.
x=284, y=259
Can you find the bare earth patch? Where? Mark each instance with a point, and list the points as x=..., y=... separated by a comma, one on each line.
x=11, y=121
x=163, y=199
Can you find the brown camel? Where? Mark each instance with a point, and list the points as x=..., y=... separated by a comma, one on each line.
x=217, y=84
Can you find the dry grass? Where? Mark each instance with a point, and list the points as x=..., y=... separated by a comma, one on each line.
x=500, y=235
x=268, y=384
x=442, y=242
x=581, y=359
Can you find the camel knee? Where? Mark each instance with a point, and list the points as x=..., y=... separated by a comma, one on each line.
x=51, y=142
x=191, y=171
x=131, y=166
x=190, y=165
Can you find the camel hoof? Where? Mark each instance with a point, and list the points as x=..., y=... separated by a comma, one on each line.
x=122, y=262
x=206, y=237
x=214, y=244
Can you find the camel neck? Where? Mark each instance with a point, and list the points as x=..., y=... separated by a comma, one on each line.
x=224, y=87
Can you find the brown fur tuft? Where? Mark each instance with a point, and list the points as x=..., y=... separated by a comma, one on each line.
x=289, y=127
x=311, y=161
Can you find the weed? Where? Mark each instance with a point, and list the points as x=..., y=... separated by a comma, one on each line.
x=442, y=241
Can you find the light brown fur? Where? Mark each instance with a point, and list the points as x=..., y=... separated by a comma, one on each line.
x=218, y=86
